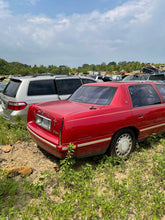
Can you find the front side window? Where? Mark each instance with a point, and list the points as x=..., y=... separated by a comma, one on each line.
x=143, y=95
x=67, y=86
x=100, y=95
x=41, y=87
x=161, y=88
x=12, y=88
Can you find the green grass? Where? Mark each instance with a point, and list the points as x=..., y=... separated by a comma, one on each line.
x=10, y=133
x=100, y=187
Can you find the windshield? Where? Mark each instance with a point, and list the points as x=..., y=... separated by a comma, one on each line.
x=100, y=95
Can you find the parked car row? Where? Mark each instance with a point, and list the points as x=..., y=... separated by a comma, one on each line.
x=102, y=78
x=145, y=77
x=104, y=117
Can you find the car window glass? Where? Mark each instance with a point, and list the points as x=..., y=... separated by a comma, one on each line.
x=85, y=81
x=67, y=86
x=161, y=88
x=157, y=77
x=100, y=95
x=12, y=88
x=41, y=87
x=143, y=95
x=143, y=77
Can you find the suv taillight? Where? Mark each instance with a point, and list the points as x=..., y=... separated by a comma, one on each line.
x=16, y=106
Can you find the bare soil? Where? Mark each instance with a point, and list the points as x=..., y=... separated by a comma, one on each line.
x=28, y=155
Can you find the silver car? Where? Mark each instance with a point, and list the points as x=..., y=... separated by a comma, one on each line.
x=21, y=92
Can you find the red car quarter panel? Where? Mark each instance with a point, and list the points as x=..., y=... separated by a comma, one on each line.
x=104, y=117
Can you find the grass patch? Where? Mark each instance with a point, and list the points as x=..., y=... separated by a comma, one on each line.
x=10, y=133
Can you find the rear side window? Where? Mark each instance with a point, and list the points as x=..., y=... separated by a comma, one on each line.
x=12, y=88
x=161, y=88
x=143, y=95
x=67, y=86
x=41, y=87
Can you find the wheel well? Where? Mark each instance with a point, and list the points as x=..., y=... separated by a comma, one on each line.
x=134, y=129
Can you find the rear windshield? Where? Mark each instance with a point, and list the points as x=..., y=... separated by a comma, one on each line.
x=100, y=95
x=12, y=88
x=67, y=86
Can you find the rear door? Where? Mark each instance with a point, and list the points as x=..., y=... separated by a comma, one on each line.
x=148, y=110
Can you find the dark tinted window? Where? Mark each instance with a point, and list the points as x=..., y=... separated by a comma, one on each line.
x=107, y=78
x=161, y=88
x=41, y=87
x=100, y=95
x=157, y=77
x=143, y=95
x=85, y=81
x=12, y=88
x=67, y=86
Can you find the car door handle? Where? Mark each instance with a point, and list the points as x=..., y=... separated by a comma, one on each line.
x=140, y=116
x=92, y=107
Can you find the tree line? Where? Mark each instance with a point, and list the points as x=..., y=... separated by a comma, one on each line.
x=16, y=68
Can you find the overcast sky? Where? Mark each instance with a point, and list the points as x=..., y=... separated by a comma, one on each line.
x=75, y=32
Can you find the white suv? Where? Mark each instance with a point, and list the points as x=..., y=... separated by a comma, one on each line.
x=23, y=91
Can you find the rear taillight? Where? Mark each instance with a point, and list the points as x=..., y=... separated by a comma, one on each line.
x=16, y=106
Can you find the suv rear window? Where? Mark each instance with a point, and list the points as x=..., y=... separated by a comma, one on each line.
x=12, y=88
x=42, y=87
x=67, y=86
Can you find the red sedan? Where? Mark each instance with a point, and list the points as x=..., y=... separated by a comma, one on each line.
x=104, y=117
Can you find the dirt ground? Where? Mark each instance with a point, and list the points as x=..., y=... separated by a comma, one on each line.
x=24, y=154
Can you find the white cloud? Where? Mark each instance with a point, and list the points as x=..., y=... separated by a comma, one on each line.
x=4, y=9
x=132, y=31
x=33, y=2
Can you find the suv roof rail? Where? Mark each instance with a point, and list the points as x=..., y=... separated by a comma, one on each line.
x=38, y=74
x=48, y=74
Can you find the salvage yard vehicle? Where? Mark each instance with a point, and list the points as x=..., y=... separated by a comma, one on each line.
x=104, y=117
x=145, y=77
x=23, y=91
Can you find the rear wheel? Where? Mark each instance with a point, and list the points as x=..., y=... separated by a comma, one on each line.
x=123, y=143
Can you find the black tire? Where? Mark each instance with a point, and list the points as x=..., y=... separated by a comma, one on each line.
x=123, y=143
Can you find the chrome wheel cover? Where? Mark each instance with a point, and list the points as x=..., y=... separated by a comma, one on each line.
x=123, y=145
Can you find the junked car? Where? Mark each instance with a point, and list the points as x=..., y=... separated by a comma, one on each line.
x=145, y=77
x=104, y=117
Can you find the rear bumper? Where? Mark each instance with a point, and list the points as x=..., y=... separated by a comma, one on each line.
x=48, y=146
x=50, y=143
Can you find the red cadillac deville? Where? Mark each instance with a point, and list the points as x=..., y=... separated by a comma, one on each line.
x=104, y=117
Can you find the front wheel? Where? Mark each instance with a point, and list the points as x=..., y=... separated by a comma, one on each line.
x=123, y=143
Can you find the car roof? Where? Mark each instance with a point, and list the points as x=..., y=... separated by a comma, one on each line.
x=48, y=76
x=119, y=83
